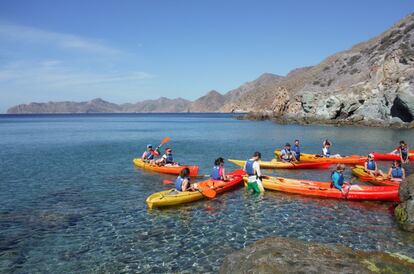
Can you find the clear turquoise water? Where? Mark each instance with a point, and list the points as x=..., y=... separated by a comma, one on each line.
x=71, y=200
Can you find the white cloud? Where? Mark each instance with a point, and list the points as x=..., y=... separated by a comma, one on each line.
x=53, y=74
x=62, y=40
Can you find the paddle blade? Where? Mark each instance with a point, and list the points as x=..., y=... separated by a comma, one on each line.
x=167, y=182
x=209, y=193
x=165, y=140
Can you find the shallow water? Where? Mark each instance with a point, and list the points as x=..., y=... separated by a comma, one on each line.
x=71, y=200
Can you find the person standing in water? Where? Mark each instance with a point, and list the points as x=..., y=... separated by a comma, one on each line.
x=252, y=168
x=403, y=151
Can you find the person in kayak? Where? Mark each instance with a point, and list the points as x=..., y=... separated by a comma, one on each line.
x=371, y=166
x=337, y=177
x=150, y=154
x=182, y=183
x=286, y=154
x=402, y=150
x=396, y=171
x=296, y=150
x=167, y=158
x=218, y=172
x=326, y=150
x=252, y=168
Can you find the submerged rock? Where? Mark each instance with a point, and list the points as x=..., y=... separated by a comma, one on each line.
x=404, y=212
x=285, y=255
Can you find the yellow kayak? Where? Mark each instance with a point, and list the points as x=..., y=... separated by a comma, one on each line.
x=274, y=164
x=360, y=172
x=315, y=158
x=168, y=169
x=173, y=197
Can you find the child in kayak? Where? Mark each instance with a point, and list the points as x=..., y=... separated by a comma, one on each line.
x=371, y=166
x=166, y=159
x=296, y=150
x=402, y=150
x=337, y=177
x=182, y=183
x=396, y=171
x=286, y=154
x=150, y=154
x=218, y=172
x=326, y=150
x=252, y=168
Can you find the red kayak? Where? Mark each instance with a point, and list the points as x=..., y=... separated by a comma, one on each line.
x=324, y=189
x=391, y=156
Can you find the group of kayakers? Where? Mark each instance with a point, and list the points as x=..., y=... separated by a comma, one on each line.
x=287, y=154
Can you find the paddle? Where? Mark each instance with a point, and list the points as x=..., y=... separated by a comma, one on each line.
x=163, y=142
x=207, y=192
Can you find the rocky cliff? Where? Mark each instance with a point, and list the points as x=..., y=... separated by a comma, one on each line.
x=371, y=83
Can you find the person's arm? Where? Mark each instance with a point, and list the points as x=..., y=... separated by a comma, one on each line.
x=223, y=174
x=366, y=167
x=185, y=185
x=403, y=173
x=390, y=173
x=144, y=155
x=256, y=167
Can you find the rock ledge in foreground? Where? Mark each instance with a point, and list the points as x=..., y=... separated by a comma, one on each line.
x=404, y=212
x=285, y=255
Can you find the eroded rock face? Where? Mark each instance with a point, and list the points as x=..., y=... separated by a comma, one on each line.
x=404, y=212
x=285, y=255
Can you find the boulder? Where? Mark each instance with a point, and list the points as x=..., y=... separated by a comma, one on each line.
x=404, y=212
x=286, y=255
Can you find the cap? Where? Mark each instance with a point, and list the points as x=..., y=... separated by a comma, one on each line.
x=287, y=145
x=149, y=146
x=371, y=155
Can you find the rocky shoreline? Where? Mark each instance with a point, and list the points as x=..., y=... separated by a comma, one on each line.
x=286, y=255
x=310, y=120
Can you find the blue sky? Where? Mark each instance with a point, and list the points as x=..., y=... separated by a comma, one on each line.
x=127, y=51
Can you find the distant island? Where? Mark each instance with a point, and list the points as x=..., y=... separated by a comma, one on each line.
x=371, y=84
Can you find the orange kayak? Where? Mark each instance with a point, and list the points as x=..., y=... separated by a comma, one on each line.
x=315, y=158
x=168, y=169
x=323, y=189
x=391, y=156
x=375, y=180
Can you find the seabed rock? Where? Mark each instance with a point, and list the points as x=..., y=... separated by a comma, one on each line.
x=404, y=212
x=286, y=255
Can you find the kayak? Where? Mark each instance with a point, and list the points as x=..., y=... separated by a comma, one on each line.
x=391, y=156
x=315, y=158
x=323, y=189
x=164, y=169
x=173, y=197
x=286, y=165
x=360, y=172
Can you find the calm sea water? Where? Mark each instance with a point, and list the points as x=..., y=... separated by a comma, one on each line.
x=71, y=200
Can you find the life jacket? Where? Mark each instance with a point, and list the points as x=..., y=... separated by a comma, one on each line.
x=179, y=183
x=397, y=172
x=285, y=154
x=296, y=149
x=169, y=159
x=328, y=152
x=249, y=167
x=341, y=179
x=371, y=165
x=216, y=173
x=404, y=152
x=149, y=155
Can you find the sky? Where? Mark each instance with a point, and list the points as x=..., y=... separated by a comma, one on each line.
x=128, y=51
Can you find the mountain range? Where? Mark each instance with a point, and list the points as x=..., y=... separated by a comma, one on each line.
x=371, y=83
